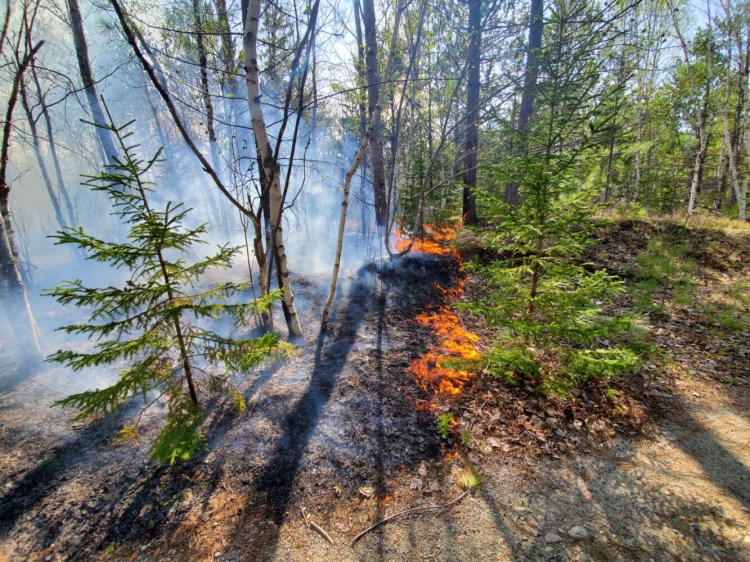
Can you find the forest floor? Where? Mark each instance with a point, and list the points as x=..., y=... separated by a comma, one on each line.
x=653, y=465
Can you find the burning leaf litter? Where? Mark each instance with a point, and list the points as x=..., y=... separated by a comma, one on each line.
x=436, y=370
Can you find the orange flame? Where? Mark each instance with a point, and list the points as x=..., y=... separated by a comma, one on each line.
x=455, y=342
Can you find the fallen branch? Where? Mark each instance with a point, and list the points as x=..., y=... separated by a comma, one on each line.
x=317, y=528
x=408, y=511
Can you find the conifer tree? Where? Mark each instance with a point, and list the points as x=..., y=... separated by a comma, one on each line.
x=545, y=302
x=153, y=322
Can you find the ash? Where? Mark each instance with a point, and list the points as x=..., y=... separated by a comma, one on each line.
x=339, y=416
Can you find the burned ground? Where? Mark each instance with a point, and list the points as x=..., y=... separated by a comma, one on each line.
x=341, y=431
x=341, y=413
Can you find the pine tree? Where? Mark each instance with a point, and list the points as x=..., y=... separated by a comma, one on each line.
x=153, y=322
x=545, y=302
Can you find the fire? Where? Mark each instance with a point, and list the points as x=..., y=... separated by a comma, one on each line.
x=455, y=342
x=434, y=241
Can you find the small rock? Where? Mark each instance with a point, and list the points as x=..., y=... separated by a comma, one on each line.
x=669, y=436
x=422, y=470
x=596, y=426
x=579, y=533
x=494, y=442
x=560, y=433
x=367, y=491
x=582, y=557
x=416, y=484
x=552, y=538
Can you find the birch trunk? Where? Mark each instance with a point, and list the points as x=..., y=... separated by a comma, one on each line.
x=270, y=165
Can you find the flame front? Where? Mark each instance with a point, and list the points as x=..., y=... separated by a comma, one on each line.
x=455, y=342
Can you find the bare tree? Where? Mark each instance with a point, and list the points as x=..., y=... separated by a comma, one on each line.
x=12, y=289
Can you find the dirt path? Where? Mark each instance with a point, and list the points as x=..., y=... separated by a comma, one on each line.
x=680, y=495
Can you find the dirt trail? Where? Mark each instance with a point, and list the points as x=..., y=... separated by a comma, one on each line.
x=680, y=495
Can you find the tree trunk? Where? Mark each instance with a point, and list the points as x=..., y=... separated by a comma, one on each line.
x=52, y=147
x=40, y=158
x=366, y=139
x=270, y=165
x=373, y=89
x=89, y=84
x=531, y=74
x=223, y=217
x=473, y=54
x=12, y=290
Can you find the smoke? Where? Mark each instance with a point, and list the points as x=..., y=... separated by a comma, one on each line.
x=313, y=198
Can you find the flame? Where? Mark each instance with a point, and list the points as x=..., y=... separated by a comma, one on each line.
x=434, y=241
x=454, y=341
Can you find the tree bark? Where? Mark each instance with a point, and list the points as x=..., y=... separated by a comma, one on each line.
x=89, y=84
x=473, y=55
x=373, y=89
x=270, y=164
x=531, y=74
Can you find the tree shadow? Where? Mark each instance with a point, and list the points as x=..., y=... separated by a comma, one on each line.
x=332, y=350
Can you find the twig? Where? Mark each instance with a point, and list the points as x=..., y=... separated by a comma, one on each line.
x=406, y=512
x=315, y=527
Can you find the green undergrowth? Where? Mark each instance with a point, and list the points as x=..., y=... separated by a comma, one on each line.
x=584, y=323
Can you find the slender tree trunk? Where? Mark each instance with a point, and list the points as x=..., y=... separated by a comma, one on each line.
x=208, y=105
x=270, y=165
x=473, y=54
x=40, y=158
x=703, y=135
x=89, y=84
x=536, y=30
x=12, y=289
x=52, y=147
x=366, y=139
x=361, y=72
x=373, y=89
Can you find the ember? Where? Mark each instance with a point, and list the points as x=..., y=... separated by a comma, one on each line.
x=455, y=342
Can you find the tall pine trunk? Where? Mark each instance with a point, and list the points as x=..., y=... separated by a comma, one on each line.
x=89, y=84
x=473, y=54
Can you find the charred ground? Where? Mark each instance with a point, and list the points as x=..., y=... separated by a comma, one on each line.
x=656, y=469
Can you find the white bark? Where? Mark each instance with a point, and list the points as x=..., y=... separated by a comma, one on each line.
x=270, y=166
